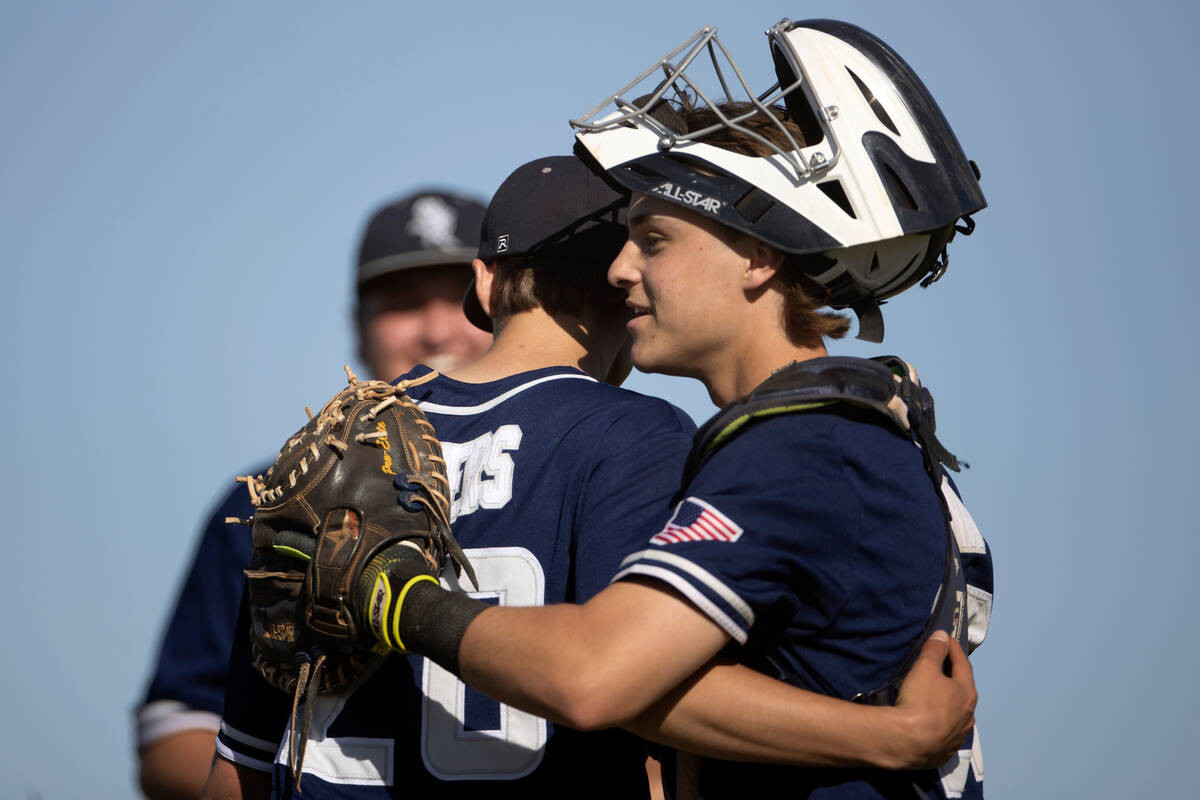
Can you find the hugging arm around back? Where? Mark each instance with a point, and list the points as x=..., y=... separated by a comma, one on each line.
x=729, y=711
x=639, y=656
x=590, y=666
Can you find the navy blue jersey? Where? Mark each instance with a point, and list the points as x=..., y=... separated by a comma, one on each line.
x=554, y=478
x=817, y=542
x=187, y=687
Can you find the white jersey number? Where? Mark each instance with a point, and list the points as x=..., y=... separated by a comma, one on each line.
x=508, y=575
x=512, y=576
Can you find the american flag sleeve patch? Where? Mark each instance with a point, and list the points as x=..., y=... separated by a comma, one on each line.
x=696, y=521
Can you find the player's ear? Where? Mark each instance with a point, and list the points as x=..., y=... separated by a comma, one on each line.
x=485, y=278
x=763, y=263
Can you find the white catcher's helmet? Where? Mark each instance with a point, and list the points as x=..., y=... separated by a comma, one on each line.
x=878, y=188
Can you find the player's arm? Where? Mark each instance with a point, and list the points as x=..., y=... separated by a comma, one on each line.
x=617, y=660
x=176, y=766
x=229, y=781
x=732, y=712
x=590, y=666
x=607, y=662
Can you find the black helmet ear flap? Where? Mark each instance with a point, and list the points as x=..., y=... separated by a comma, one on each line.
x=797, y=104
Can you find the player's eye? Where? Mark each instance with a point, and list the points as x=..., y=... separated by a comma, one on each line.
x=653, y=242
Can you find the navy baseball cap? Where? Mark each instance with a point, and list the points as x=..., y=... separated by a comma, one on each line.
x=554, y=206
x=424, y=229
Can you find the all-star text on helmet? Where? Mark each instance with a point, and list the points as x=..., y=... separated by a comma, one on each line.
x=876, y=183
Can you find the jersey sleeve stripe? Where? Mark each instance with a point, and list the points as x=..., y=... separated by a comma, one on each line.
x=700, y=574
x=247, y=739
x=688, y=590
x=242, y=760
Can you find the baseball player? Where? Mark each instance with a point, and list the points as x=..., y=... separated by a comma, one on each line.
x=554, y=475
x=815, y=528
x=411, y=275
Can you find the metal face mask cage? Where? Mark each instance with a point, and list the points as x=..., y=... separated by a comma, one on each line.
x=876, y=193
x=705, y=41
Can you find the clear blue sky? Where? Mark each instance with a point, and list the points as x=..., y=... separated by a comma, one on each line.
x=181, y=188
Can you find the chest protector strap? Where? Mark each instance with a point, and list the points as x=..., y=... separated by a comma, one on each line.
x=889, y=387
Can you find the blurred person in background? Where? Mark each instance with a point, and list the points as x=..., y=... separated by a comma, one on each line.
x=413, y=270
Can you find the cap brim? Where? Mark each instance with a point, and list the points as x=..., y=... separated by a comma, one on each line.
x=419, y=258
x=474, y=310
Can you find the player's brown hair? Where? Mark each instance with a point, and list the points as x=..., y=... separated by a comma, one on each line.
x=558, y=280
x=802, y=297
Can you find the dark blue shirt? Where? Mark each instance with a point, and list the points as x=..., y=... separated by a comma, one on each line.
x=187, y=688
x=554, y=478
x=817, y=542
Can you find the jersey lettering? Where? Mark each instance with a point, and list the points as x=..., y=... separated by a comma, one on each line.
x=481, y=470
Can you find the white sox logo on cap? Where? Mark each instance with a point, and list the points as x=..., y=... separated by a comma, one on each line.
x=433, y=222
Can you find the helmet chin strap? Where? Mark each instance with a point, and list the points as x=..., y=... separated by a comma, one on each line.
x=870, y=320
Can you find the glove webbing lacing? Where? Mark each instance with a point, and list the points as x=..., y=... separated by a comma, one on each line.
x=331, y=418
x=435, y=482
x=306, y=684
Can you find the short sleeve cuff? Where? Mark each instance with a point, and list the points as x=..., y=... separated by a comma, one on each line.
x=162, y=718
x=703, y=589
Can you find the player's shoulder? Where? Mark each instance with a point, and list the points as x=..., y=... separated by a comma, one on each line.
x=562, y=397
x=812, y=447
x=838, y=425
x=618, y=404
x=788, y=432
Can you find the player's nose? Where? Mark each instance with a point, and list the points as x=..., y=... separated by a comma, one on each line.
x=621, y=273
x=441, y=319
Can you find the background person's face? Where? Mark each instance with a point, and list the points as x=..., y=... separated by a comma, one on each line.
x=416, y=316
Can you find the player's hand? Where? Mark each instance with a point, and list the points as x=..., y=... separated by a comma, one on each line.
x=937, y=709
x=399, y=599
x=383, y=587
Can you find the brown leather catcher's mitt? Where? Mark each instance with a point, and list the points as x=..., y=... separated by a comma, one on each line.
x=364, y=474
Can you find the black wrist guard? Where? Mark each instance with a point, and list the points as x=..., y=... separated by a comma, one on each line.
x=406, y=608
